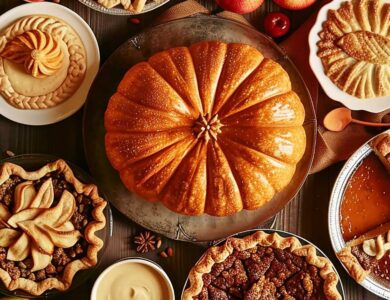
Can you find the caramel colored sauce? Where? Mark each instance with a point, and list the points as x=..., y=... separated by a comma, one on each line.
x=366, y=202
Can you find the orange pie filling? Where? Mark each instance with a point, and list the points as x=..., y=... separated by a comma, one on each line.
x=365, y=221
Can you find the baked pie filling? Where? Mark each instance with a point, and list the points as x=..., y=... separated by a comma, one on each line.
x=48, y=221
x=262, y=266
x=365, y=215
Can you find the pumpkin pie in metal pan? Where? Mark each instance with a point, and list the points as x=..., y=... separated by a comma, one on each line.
x=359, y=216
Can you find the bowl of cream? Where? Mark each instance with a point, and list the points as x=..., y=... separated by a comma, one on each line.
x=133, y=279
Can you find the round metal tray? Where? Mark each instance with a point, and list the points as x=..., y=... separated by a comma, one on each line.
x=32, y=162
x=282, y=233
x=117, y=11
x=336, y=198
x=155, y=216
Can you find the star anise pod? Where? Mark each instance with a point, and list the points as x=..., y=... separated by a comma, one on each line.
x=146, y=242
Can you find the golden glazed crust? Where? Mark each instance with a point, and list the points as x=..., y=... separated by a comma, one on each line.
x=354, y=48
x=213, y=128
x=94, y=243
x=218, y=254
x=381, y=147
x=130, y=5
x=76, y=70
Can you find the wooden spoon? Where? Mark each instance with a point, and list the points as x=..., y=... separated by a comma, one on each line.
x=339, y=118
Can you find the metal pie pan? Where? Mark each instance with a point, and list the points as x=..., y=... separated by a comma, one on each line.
x=32, y=162
x=282, y=233
x=336, y=237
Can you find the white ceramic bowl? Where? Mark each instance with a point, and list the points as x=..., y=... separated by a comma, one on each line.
x=135, y=260
x=76, y=101
x=374, y=105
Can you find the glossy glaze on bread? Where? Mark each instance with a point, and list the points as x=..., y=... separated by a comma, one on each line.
x=213, y=128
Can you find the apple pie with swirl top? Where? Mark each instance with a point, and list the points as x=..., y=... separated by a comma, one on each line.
x=48, y=225
x=354, y=48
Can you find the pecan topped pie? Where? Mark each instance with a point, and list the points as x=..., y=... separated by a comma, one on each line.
x=354, y=48
x=48, y=221
x=262, y=266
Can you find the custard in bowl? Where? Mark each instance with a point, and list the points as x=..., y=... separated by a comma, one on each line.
x=133, y=279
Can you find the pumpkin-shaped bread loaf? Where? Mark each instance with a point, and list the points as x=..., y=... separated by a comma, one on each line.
x=211, y=128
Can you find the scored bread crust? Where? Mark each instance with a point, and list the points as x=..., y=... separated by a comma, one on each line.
x=212, y=128
x=218, y=254
x=94, y=242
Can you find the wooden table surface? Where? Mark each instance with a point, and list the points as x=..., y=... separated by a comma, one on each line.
x=306, y=215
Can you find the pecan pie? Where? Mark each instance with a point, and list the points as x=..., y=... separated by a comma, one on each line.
x=48, y=221
x=354, y=48
x=262, y=266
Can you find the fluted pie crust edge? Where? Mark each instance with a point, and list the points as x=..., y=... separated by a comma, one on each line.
x=94, y=242
x=218, y=254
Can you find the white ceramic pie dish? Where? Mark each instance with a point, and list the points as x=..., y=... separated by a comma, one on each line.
x=374, y=105
x=76, y=101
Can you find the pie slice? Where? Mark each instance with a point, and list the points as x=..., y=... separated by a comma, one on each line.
x=381, y=147
x=48, y=221
x=262, y=266
x=368, y=254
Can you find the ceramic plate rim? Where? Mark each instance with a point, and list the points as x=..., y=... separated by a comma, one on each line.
x=335, y=234
x=374, y=105
x=76, y=101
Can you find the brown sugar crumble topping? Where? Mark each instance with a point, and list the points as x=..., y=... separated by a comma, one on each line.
x=262, y=273
x=61, y=257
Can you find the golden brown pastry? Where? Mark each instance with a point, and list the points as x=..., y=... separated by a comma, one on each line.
x=130, y=5
x=42, y=62
x=38, y=51
x=48, y=225
x=213, y=128
x=381, y=147
x=354, y=48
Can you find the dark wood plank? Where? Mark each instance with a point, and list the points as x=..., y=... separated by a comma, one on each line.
x=305, y=215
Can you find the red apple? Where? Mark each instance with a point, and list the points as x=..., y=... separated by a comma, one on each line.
x=294, y=4
x=276, y=24
x=240, y=6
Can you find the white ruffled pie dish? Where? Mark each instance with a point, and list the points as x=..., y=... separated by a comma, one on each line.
x=76, y=101
x=374, y=105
